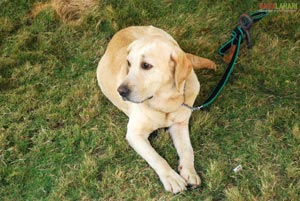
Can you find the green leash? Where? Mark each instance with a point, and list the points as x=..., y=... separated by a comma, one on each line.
x=237, y=35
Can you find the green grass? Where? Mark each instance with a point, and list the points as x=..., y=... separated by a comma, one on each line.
x=61, y=139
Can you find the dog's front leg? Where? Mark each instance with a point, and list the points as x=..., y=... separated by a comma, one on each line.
x=182, y=143
x=137, y=136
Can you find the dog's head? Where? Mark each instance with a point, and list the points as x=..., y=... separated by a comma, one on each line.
x=155, y=66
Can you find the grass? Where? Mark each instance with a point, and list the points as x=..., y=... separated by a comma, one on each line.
x=61, y=139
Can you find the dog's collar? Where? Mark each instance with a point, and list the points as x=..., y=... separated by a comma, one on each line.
x=192, y=108
x=186, y=105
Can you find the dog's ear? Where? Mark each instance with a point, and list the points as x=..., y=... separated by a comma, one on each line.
x=130, y=46
x=182, y=67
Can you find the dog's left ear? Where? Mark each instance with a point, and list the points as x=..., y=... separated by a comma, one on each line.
x=182, y=68
x=130, y=46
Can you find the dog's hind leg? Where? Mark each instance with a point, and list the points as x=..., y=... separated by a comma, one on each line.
x=200, y=62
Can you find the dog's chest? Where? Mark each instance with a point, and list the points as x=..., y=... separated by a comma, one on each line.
x=177, y=117
x=161, y=120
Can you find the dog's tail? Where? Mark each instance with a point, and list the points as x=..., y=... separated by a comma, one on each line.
x=200, y=63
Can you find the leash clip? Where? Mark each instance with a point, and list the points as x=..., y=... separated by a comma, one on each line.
x=246, y=22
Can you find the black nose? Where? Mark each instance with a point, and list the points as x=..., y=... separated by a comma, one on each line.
x=123, y=91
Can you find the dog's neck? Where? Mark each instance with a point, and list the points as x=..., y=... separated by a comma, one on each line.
x=169, y=96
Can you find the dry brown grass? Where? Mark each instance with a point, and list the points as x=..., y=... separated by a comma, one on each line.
x=39, y=7
x=67, y=10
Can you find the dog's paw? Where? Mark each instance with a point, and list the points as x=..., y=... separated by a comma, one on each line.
x=173, y=182
x=213, y=66
x=190, y=175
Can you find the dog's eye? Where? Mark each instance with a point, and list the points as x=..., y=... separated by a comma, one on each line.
x=146, y=66
x=128, y=63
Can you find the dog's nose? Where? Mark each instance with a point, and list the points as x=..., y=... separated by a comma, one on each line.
x=123, y=91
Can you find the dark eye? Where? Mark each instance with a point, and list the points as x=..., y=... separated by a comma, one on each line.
x=128, y=63
x=146, y=66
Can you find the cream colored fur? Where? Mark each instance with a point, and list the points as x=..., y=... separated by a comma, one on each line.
x=156, y=95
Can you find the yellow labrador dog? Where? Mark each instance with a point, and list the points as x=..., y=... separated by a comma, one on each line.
x=146, y=75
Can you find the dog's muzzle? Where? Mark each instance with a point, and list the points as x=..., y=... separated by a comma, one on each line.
x=124, y=92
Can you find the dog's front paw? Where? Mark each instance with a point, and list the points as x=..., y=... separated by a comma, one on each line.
x=173, y=182
x=190, y=175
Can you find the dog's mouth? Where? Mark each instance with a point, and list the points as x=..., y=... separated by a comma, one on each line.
x=133, y=101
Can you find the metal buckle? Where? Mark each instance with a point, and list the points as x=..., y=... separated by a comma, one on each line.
x=246, y=22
